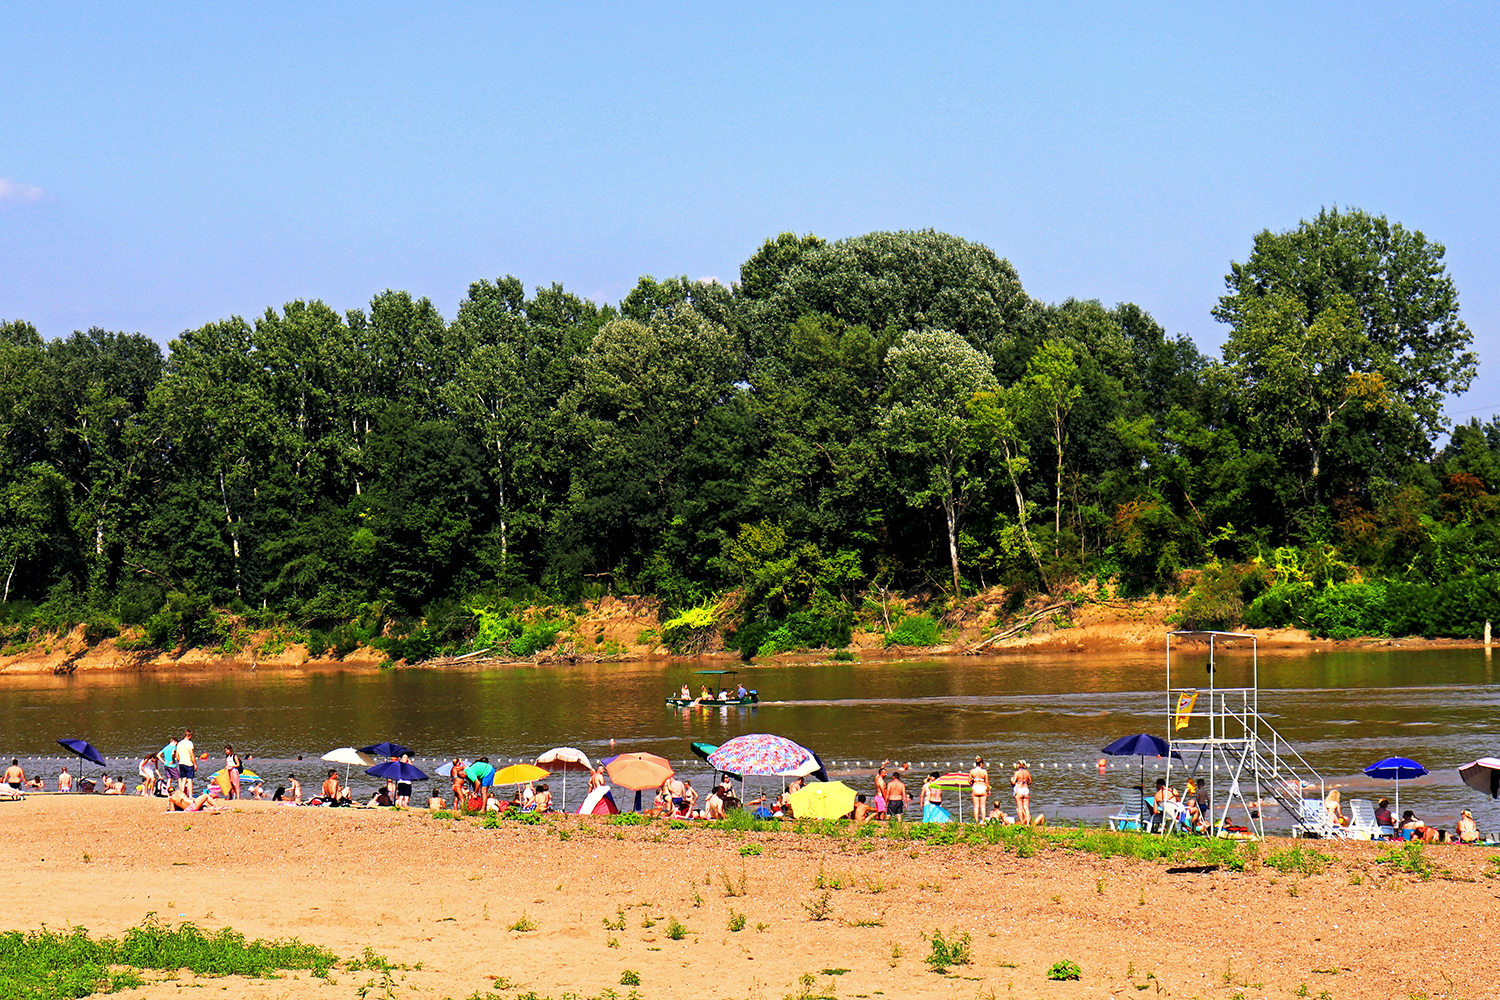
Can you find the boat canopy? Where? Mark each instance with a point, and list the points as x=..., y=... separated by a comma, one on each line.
x=715, y=671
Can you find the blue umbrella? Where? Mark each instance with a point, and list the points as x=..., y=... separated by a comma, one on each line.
x=1141, y=745
x=398, y=769
x=1394, y=769
x=386, y=749
x=84, y=749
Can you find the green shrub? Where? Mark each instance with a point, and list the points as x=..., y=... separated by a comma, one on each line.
x=630, y=978
x=914, y=630
x=809, y=629
x=955, y=949
x=1064, y=971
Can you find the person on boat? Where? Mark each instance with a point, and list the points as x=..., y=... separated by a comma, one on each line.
x=687, y=694
x=1020, y=783
x=723, y=694
x=979, y=788
x=704, y=694
x=741, y=693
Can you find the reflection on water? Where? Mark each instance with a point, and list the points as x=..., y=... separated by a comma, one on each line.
x=1342, y=710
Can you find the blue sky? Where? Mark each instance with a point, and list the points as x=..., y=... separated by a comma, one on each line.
x=164, y=166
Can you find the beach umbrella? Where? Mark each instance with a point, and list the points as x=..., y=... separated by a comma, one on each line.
x=1483, y=776
x=349, y=757
x=518, y=774
x=387, y=749
x=84, y=749
x=246, y=778
x=1394, y=769
x=638, y=771
x=959, y=780
x=398, y=769
x=565, y=759
x=823, y=800
x=1141, y=745
x=761, y=754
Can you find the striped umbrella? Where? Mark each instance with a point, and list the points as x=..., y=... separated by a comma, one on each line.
x=760, y=754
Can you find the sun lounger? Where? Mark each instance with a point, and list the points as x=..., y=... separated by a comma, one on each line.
x=1362, y=825
x=1315, y=822
x=1128, y=816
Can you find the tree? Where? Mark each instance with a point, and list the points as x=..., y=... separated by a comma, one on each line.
x=931, y=375
x=1295, y=377
x=1051, y=390
x=902, y=281
x=1404, y=302
x=993, y=424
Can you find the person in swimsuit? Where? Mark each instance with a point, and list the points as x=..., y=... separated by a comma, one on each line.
x=895, y=797
x=187, y=766
x=542, y=801
x=64, y=781
x=403, y=788
x=598, y=778
x=232, y=771
x=180, y=801
x=687, y=694
x=331, y=787
x=293, y=790
x=979, y=788
x=15, y=776
x=1020, y=783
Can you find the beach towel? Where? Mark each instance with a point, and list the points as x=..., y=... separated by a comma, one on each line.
x=936, y=814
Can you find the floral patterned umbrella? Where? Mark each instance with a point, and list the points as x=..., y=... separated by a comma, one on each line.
x=759, y=754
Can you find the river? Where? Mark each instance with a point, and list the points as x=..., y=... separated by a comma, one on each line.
x=1342, y=709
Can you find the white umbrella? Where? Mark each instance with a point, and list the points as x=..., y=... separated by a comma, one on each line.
x=1483, y=776
x=564, y=759
x=348, y=756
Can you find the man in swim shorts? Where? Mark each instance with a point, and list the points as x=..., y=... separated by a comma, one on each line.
x=895, y=797
x=187, y=764
x=15, y=776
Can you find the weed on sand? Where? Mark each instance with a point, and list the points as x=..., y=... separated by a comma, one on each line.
x=51, y=965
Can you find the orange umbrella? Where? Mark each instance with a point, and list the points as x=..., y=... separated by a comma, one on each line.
x=639, y=771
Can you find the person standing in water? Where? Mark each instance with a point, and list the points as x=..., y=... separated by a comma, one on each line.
x=895, y=797
x=1020, y=783
x=187, y=765
x=979, y=788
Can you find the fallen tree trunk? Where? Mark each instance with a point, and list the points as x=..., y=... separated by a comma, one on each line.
x=1018, y=627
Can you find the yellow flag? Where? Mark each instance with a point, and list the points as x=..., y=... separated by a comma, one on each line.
x=1185, y=702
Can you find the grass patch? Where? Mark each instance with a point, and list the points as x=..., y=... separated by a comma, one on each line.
x=525, y=924
x=1409, y=858
x=1299, y=860
x=46, y=964
x=675, y=930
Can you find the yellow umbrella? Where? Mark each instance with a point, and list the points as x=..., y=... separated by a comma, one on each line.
x=518, y=774
x=823, y=800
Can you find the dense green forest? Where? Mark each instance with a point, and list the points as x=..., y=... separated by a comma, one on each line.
x=888, y=412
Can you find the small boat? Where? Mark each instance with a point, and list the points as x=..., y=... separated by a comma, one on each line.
x=752, y=697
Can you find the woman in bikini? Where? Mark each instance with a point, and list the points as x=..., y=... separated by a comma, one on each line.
x=979, y=788
x=1020, y=783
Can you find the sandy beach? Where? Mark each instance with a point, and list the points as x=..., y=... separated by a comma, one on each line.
x=445, y=893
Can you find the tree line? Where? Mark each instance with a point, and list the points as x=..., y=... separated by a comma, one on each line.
x=891, y=411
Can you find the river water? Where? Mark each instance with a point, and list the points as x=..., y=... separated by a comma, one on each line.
x=1341, y=709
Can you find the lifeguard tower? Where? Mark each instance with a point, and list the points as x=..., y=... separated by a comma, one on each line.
x=1220, y=737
